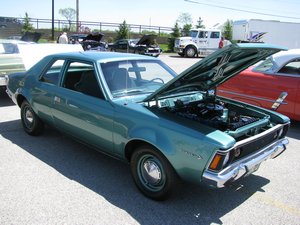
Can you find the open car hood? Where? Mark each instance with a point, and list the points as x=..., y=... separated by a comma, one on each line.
x=216, y=68
x=147, y=39
x=31, y=37
x=94, y=37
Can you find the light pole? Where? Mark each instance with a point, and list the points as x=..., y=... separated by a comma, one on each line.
x=52, y=31
x=77, y=15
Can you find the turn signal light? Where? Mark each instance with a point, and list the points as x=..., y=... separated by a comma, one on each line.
x=215, y=162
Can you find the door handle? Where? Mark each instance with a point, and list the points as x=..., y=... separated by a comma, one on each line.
x=56, y=99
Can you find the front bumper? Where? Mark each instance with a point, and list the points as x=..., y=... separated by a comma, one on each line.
x=2, y=81
x=178, y=50
x=244, y=166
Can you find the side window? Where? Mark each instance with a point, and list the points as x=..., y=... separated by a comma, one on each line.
x=52, y=73
x=215, y=34
x=203, y=34
x=292, y=68
x=81, y=77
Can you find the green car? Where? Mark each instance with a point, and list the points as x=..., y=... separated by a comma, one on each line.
x=168, y=127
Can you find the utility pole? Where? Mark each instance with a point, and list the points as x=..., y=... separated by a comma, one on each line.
x=52, y=31
x=77, y=15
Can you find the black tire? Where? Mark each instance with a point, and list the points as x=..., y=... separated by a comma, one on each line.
x=181, y=54
x=162, y=181
x=32, y=124
x=190, y=52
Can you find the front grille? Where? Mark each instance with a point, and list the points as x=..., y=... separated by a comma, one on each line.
x=257, y=144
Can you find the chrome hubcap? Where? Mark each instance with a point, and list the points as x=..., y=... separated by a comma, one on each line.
x=29, y=116
x=153, y=172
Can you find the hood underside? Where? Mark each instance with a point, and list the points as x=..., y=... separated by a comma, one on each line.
x=216, y=68
x=31, y=37
x=94, y=37
x=147, y=40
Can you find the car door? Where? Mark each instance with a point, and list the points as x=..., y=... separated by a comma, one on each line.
x=48, y=85
x=80, y=108
x=202, y=39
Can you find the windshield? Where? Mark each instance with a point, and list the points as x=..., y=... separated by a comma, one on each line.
x=193, y=33
x=135, y=76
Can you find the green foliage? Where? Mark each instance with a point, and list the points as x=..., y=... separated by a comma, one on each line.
x=227, y=30
x=123, y=32
x=175, y=34
x=164, y=47
x=69, y=14
x=27, y=26
x=186, y=29
x=185, y=23
x=184, y=18
x=200, y=23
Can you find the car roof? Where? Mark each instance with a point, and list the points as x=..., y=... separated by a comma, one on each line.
x=13, y=41
x=102, y=56
x=283, y=57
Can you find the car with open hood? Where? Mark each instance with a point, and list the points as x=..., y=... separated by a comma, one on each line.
x=168, y=127
x=146, y=45
x=92, y=41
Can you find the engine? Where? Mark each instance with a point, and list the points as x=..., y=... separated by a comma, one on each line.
x=215, y=114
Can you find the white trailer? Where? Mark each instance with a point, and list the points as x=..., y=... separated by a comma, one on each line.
x=286, y=34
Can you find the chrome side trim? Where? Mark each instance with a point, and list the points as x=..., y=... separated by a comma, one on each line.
x=244, y=166
x=252, y=97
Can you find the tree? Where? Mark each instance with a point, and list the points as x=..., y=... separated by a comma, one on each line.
x=69, y=14
x=123, y=31
x=185, y=21
x=27, y=26
x=200, y=23
x=175, y=34
x=186, y=29
x=227, y=30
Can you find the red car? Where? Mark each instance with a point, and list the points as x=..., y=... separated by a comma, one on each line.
x=270, y=83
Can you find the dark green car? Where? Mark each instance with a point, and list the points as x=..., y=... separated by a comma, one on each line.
x=167, y=127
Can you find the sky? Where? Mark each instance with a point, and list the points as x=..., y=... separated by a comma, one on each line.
x=158, y=12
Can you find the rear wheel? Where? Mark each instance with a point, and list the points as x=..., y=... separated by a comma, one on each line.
x=152, y=173
x=30, y=121
x=190, y=52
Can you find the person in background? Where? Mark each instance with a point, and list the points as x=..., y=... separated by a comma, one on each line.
x=221, y=42
x=224, y=42
x=63, y=38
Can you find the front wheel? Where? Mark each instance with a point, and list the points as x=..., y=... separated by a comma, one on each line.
x=30, y=121
x=152, y=173
x=190, y=52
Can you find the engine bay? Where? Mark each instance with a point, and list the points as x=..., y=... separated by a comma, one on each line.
x=214, y=114
x=233, y=118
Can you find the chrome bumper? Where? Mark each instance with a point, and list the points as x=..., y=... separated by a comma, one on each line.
x=2, y=81
x=244, y=166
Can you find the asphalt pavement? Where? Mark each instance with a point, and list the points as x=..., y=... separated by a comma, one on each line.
x=52, y=179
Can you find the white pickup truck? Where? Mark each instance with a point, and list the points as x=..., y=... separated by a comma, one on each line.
x=201, y=42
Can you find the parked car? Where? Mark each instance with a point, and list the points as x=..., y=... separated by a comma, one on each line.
x=167, y=127
x=17, y=56
x=144, y=46
x=90, y=41
x=273, y=83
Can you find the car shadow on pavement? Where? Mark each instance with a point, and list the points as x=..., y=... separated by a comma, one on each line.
x=111, y=179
